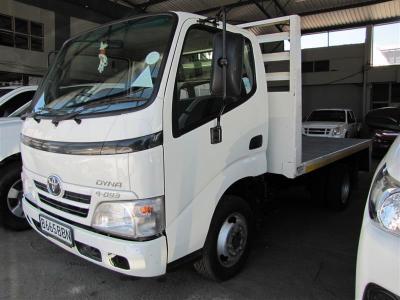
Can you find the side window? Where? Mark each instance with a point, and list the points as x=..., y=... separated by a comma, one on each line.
x=16, y=102
x=193, y=105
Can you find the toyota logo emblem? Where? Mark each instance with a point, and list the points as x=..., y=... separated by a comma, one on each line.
x=54, y=185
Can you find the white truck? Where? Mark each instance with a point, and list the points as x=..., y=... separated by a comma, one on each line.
x=337, y=123
x=174, y=165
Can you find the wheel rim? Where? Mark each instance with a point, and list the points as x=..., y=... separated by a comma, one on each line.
x=345, y=190
x=232, y=239
x=14, y=199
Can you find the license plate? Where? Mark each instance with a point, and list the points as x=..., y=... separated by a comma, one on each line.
x=57, y=230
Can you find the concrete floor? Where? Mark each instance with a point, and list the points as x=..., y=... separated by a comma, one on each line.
x=302, y=252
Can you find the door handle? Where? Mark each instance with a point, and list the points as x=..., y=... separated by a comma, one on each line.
x=256, y=142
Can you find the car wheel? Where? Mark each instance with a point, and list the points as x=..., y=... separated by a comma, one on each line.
x=228, y=240
x=12, y=214
x=338, y=187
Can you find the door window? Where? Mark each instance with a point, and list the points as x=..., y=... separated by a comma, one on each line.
x=15, y=102
x=193, y=104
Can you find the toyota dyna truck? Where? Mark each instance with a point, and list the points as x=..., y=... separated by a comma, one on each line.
x=153, y=140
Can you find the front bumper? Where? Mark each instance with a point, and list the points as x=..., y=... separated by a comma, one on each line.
x=145, y=259
x=378, y=260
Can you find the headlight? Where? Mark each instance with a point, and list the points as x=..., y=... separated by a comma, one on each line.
x=132, y=219
x=384, y=202
x=337, y=131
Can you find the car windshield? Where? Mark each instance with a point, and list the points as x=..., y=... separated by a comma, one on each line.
x=327, y=116
x=114, y=67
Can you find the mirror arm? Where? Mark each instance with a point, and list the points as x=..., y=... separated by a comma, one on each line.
x=216, y=132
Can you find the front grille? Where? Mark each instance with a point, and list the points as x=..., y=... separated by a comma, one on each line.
x=67, y=194
x=74, y=210
x=41, y=186
x=319, y=131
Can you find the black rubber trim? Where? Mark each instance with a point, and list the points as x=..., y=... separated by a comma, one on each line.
x=96, y=148
x=67, y=194
x=88, y=228
x=74, y=210
x=374, y=291
x=190, y=258
x=256, y=142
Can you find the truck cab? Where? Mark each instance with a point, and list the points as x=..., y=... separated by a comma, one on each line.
x=161, y=166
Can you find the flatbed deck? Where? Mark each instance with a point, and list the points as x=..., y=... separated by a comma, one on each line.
x=318, y=152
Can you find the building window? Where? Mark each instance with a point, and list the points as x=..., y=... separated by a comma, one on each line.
x=5, y=22
x=21, y=26
x=21, y=33
x=386, y=45
x=315, y=66
x=347, y=37
x=385, y=94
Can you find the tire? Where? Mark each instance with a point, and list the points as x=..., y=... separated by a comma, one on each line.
x=317, y=185
x=11, y=212
x=338, y=187
x=232, y=225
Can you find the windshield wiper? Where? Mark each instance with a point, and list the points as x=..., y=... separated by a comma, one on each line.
x=34, y=114
x=74, y=115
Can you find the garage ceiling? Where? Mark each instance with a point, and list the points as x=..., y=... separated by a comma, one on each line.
x=317, y=15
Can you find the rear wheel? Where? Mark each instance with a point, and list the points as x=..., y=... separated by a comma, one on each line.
x=11, y=193
x=338, y=187
x=228, y=240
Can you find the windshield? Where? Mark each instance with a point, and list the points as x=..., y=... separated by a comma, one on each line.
x=327, y=116
x=116, y=67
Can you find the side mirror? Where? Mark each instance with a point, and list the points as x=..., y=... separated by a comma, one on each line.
x=234, y=55
x=384, y=118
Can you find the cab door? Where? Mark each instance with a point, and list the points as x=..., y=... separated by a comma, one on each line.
x=196, y=170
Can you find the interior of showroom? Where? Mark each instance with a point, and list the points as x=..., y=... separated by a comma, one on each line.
x=253, y=141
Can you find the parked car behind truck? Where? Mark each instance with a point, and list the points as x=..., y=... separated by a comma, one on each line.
x=337, y=123
x=13, y=103
x=383, y=137
x=378, y=261
x=167, y=169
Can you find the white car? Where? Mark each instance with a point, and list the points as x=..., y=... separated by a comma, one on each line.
x=378, y=261
x=338, y=123
x=13, y=103
x=13, y=97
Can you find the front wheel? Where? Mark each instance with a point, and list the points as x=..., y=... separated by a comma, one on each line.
x=12, y=215
x=228, y=241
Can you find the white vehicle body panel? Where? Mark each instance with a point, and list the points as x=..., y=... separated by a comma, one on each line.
x=206, y=170
x=10, y=129
x=378, y=259
x=284, y=108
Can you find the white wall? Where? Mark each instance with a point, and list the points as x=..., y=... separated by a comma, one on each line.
x=342, y=86
x=26, y=61
x=79, y=25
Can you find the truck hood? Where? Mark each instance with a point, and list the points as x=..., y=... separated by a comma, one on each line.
x=86, y=168
x=323, y=124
